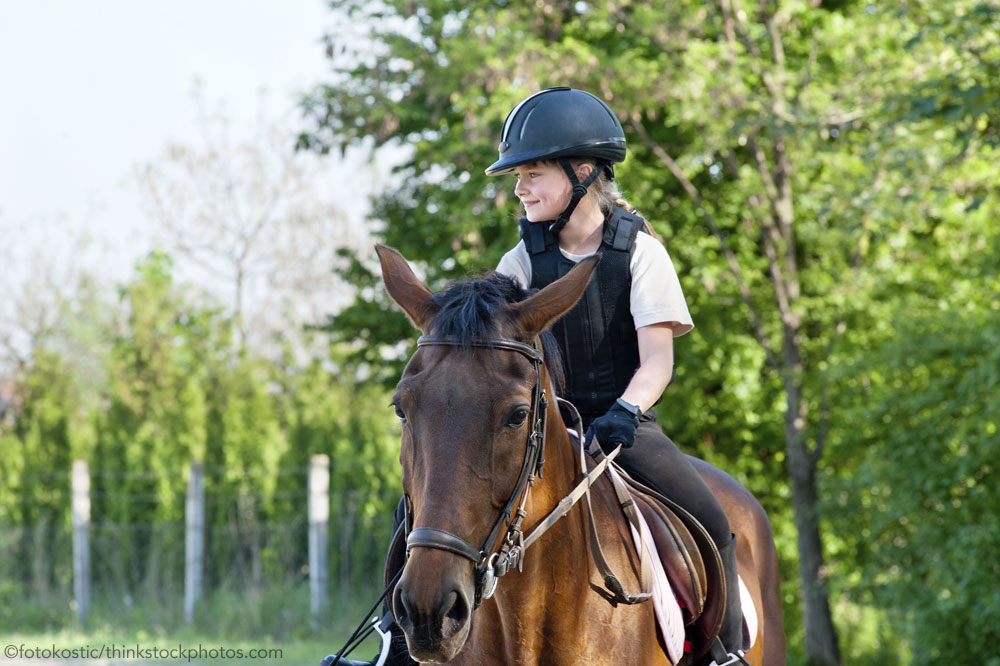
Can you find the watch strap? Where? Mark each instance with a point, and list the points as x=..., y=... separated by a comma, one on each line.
x=629, y=407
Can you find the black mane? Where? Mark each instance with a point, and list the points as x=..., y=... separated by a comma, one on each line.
x=467, y=312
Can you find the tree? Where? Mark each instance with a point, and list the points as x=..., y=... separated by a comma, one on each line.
x=49, y=340
x=783, y=127
x=259, y=219
x=914, y=499
x=909, y=497
x=43, y=286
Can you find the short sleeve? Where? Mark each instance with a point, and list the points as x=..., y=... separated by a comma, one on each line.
x=517, y=264
x=656, y=295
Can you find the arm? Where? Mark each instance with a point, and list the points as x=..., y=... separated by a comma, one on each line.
x=656, y=365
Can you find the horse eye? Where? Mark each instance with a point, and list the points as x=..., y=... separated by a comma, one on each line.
x=399, y=412
x=517, y=418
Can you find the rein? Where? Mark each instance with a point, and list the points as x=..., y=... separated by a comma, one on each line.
x=492, y=565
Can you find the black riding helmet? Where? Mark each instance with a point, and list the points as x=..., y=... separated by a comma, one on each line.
x=557, y=124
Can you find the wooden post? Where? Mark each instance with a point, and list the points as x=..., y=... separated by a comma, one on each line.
x=346, y=520
x=81, y=537
x=194, y=542
x=319, y=516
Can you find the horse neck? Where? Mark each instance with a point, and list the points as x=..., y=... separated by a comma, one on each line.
x=562, y=463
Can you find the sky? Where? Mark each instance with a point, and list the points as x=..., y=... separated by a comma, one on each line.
x=90, y=91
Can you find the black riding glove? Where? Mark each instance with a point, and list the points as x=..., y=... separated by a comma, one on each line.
x=616, y=427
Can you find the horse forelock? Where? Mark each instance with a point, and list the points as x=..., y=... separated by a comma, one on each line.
x=472, y=310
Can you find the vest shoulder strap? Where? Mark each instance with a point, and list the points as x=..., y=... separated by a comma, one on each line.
x=536, y=236
x=621, y=230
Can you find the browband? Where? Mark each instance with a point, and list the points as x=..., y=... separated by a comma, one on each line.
x=532, y=353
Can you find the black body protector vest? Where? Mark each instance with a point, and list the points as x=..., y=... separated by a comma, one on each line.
x=597, y=337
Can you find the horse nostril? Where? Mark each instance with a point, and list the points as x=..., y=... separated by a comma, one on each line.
x=459, y=610
x=401, y=608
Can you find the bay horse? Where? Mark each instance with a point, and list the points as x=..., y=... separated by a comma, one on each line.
x=474, y=406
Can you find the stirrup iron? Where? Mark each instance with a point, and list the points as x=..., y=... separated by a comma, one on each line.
x=732, y=658
x=385, y=635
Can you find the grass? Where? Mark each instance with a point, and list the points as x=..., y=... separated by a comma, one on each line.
x=228, y=626
x=181, y=648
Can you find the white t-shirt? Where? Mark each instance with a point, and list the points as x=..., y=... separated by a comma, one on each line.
x=656, y=295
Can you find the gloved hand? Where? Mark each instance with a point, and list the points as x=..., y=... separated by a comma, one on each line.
x=616, y=427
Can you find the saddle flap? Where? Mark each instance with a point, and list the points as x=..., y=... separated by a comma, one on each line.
x=678, y=553
x=706, y=625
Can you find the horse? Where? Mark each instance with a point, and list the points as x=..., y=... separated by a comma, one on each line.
x=484, y=450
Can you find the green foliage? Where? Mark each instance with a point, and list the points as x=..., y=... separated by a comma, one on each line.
x=371, y=329
x=815, y=169
x=914, y=499
x=170, y=386
x=923, y=502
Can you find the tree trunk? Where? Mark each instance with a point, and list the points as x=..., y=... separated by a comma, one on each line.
x=821, y=638
x=779, y=244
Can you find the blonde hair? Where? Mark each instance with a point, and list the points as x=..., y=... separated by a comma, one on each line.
x=606, y=192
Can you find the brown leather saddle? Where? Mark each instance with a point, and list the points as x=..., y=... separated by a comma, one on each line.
x=691, y=561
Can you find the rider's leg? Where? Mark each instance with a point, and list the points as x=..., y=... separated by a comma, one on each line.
x=656, y=461
x=731, y=632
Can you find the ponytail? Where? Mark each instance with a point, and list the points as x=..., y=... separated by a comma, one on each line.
x=605, y=191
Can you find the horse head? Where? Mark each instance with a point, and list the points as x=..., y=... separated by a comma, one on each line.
x=467, y=401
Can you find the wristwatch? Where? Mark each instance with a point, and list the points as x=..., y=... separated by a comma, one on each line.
x=630, y=408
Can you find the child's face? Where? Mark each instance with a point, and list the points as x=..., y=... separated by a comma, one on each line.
x=544, y=190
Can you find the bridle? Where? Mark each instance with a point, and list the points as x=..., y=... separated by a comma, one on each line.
x=491, y=565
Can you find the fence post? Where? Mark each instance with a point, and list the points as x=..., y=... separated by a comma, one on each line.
x=81, y=537
x=194, y=542
x=319, y=516
x=346, y=520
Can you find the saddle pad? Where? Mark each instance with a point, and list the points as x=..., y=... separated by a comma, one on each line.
x=668, y=612
x=749, y=616
x=668, y=597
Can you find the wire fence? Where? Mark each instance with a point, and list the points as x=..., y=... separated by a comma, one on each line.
x=255, y=533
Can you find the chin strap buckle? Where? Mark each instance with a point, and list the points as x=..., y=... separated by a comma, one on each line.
x=579, y=192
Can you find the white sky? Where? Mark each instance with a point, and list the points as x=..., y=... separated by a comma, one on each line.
x=91, y=90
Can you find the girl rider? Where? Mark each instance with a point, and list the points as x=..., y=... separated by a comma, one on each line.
x=618, y=342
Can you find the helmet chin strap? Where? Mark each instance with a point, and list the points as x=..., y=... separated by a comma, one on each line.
x=579, y=192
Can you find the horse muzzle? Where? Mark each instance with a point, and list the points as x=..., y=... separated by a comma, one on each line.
x=433, y=604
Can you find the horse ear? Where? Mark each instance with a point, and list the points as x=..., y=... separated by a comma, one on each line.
x=535, y=314
x=406, y=288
